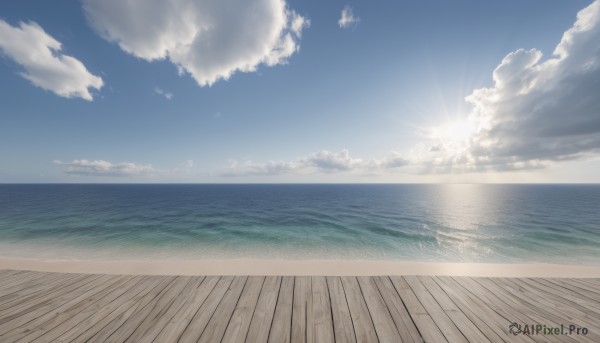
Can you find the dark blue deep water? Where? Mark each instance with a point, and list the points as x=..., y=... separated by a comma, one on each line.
x=452, y=223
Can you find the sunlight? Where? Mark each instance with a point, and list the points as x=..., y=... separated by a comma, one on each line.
x=454, y=132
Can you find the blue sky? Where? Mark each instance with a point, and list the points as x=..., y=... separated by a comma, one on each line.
x=299, y=91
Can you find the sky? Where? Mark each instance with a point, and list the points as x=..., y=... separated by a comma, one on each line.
x=234, y=91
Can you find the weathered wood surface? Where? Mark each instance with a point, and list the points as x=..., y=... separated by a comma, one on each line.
x=55, y=307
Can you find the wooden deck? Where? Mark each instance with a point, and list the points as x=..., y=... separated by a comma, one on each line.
x=49, y=307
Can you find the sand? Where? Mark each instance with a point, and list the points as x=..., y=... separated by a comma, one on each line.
x=300, y=268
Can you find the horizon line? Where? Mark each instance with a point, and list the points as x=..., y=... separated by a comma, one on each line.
x=299, y=183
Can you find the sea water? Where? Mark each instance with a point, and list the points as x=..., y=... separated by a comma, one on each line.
x=447, y=223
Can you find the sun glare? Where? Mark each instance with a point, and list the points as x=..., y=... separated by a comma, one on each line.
x=454, y=132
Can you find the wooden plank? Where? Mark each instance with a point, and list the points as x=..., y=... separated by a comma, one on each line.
x=404, y=323
x=593, y=291
x=589, y=282
x=535, y=302
x=75, y=307
x=18, y=281
x=342, y=321
x=495, y=300
x=562, y=294
x=145, y=321
x=215, y=329
x=102, y=315
x=15, y=279
x=281, y=328
x=582, y=283
x=161, y=321
x=323, y=321
x=541, y=305
x=21, y=314
x=264, y=311
x=196, y=326
x=31, y=295
x=238, y=326
x=105, y=333
x=8, y=272
x=180, y=321
x=364, y=330
x=138, y=321
x=478, y=312
x=9, y=278
x=45, y=322
x=515, y=309
x=68, y=323
x=13, y=292
x=426, y=325
x=565, y=300
x=490, y=300
x=302, y=324
x=382, y=319
x=581, y=292
x=595, y=282
x=567, y=289
x=471, y=331
x=16, y=293
x=443, y=322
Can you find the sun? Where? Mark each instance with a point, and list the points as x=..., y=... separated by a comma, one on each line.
x=454, y=132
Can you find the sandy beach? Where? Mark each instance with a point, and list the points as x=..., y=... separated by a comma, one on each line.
x=301, y=268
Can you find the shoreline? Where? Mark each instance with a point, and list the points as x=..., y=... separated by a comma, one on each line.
x=301, y=268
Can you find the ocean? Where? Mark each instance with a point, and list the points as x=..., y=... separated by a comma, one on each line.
x=437, y=223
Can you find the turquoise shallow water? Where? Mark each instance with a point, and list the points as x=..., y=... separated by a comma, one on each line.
x=450, y=223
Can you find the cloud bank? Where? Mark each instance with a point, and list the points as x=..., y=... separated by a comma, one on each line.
x=321, y=161
x=347, y=18
x=538, y=111
x=209, y=40
x=105, y=168
x=44, y=65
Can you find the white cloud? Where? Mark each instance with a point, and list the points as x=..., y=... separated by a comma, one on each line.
x=298, y=23
x=331, y=161
x=210, y=40
x=322, y=161
x=168, y=95
x=105, y=168
x=538, y=112
x=393, y=160
x=347, y=18
x=102, y=168
x=44, y=65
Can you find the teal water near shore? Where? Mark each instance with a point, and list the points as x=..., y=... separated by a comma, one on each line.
x=446, y=223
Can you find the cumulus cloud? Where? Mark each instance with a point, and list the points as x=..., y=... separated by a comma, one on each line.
x=209, y=40
x=43, y=63
x=347, y=18
x=168, y=95
x=105, y=168
x=319, y=162
x=538, y=111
